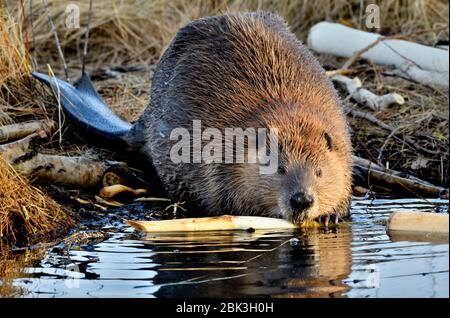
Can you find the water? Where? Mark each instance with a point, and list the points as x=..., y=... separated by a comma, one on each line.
x=355, y=260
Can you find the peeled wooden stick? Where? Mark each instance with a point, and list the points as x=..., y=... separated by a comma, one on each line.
x=217, y=223
x=418, y=222
x=363, y=96
x=17, y=131
x=340, y=40
x=419, y=75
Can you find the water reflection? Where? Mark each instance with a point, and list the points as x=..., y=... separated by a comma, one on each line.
x=260, y=264
x=356, y=260
x=13, y=266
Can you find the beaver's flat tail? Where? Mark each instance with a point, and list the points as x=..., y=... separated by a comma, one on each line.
x=83, y=105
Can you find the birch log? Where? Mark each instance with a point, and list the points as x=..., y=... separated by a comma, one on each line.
x=337, y=39
x=20, y=130
x=74, y=171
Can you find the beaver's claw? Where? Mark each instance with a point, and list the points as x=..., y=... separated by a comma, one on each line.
x=325, y=219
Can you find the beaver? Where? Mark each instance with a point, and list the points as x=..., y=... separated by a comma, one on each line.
x=245, y=70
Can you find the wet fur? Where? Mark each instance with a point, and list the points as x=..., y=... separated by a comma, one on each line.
x=244, y=71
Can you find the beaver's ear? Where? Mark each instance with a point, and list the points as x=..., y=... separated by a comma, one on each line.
x=329, y=141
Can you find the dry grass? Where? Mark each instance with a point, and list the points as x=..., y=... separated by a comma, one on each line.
x=136, y=33
x=26, y=213
x=20, y=98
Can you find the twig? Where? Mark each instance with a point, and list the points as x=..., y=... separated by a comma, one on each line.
x=379, y=123
x=408, y=60
x=58, y=44
x=152, y=200
x=380, y=153
x=57, y=94
x=33, y=35
x=411, y=185
x=361, y=14
x=373, y=166
x=366, y=97
x=395, y=131
x=25, y=28
x=358, y=54
x=340, y=71
x=86, y=39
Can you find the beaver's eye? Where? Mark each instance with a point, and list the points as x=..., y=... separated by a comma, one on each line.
x=318, y=172
x=281, y=170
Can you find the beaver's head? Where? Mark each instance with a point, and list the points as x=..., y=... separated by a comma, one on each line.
x=313, y=178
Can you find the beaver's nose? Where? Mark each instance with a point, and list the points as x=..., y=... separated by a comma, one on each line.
x=300, y=201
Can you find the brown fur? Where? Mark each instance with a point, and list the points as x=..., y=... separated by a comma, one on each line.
x=245, y=71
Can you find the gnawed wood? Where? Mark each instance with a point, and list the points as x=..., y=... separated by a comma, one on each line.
x=217, y=223
x=108, y=202
x=411, y=221
x=152, y=199
x=77, y=171
x=363, y=96
x=374, y=47
x=416, y=74
x=113, y=190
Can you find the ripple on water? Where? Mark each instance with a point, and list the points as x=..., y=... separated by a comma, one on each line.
x=356, y=260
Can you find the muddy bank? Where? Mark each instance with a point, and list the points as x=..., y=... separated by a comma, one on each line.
x=411, y=138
